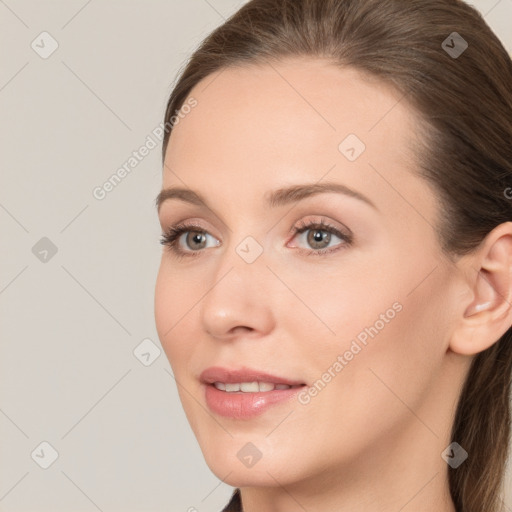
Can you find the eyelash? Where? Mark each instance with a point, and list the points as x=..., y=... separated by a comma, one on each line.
x=171, y=238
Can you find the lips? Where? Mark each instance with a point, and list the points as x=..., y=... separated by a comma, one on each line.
x=245, y=393
x=227, y=376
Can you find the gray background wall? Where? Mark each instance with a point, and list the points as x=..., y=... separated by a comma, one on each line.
x=77, y=273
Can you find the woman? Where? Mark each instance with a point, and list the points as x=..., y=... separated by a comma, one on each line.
x=335, y=292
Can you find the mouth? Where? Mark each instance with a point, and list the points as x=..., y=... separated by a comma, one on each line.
x=252, y=387
x=245, y=393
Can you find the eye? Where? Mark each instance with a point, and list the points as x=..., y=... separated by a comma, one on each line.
x=319, y=236
x=195, y=239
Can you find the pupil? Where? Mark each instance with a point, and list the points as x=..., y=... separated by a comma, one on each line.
x=196, y=238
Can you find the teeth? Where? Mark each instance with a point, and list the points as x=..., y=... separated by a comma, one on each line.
x=266, y=386
x=249, y=387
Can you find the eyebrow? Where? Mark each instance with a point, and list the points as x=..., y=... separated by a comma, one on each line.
x=273, y=199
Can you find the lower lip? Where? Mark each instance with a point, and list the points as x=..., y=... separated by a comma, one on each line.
x=242, y=405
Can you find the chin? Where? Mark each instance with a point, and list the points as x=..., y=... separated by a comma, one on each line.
x=240, y=465
x=259, y=476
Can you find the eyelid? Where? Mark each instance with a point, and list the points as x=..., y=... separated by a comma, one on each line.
x=190, y=225
x=323, y=223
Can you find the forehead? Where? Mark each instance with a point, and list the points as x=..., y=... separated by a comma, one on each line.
x=262, y=126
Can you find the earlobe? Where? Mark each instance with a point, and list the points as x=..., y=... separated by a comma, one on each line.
x=489, y=315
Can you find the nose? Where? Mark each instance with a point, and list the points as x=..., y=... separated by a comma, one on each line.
x=238, y=297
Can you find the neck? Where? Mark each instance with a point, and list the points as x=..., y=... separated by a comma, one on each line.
x=402, y=471
x=406, y=490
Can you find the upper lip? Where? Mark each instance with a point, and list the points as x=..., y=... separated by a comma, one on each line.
x=238, y=375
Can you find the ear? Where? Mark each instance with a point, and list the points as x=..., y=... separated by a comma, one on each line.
x=487, y=313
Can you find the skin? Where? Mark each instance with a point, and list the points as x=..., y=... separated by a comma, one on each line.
x=372, y=438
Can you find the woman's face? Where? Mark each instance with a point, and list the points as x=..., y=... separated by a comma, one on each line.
x=357, y=310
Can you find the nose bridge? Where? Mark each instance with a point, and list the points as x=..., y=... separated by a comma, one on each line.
x=245, y=245
x=241, y=266
x=238, y=293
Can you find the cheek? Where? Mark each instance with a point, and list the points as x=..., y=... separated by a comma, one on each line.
x=171, y=307
x=173, y=313
x=164, y=305
x=364, y=401
x=385, y=342
x=343, y=308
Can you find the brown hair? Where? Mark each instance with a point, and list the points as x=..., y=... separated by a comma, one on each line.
x=464, y=104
